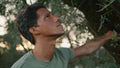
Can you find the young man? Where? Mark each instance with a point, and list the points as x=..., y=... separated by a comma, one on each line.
x=42, y=28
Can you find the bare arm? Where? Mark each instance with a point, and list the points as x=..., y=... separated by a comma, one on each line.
x=92, y=46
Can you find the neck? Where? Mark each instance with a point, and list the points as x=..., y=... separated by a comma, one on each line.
x=44, y=49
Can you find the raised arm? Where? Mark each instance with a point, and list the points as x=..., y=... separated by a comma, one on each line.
x=93, y=45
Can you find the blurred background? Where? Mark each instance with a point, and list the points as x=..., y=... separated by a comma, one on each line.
x=83, y=20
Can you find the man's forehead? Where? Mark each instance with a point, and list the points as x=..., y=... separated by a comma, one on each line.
x=42, y=11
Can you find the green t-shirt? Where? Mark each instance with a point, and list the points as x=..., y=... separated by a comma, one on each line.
x=60, y=60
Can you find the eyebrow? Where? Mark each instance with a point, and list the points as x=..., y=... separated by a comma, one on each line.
x=47, y=13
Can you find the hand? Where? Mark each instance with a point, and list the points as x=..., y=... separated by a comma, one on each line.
x=111, y=35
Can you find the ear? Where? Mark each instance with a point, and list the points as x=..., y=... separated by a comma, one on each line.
x=34, y=30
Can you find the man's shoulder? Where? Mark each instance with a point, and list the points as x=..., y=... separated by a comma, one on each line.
x=64, y=49
x=19, y=63
x=67, y=53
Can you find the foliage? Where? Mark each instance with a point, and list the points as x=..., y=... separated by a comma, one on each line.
x=100, y=59
x=72, y=19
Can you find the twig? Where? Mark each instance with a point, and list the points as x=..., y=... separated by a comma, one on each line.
x=102, y=21
x=106, y=6
x=69, y=39
x=24, y=47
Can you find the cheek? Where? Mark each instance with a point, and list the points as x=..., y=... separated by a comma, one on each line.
x=50, y=28
x=49, y=25
x=47, y=28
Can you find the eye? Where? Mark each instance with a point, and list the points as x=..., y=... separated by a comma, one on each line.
x=48, y=16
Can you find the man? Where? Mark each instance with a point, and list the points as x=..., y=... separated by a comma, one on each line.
x=42, y=28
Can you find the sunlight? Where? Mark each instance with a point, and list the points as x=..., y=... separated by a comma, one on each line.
x=29, y=2
x=19, y=48
x=2, y=45
x=9, y=7
x=3, y=24
x=65, y=43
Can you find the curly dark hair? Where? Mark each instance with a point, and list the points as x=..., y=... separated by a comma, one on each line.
x=27, y=19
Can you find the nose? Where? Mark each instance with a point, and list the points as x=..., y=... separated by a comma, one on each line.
x=56, y=18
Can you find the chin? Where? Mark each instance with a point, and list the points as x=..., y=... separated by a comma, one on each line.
x=60, y=34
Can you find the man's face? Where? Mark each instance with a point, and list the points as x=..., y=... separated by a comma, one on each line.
x=48, y=23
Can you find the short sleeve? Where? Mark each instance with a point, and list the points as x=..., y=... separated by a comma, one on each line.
x=68, y=53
